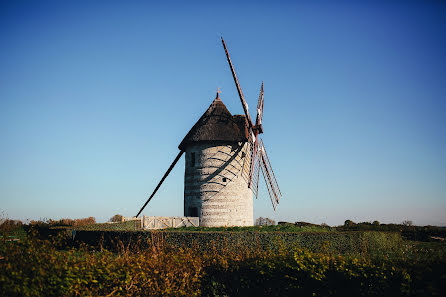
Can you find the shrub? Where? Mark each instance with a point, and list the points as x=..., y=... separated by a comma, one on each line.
x=47, y=223
x=304, y=273
x=264, y=222
x=85, y=221
x=38, y=268
x=8, y=225
x=117, y=218
x=349, y=223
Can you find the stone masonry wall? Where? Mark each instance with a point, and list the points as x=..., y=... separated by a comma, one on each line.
x=215, y=186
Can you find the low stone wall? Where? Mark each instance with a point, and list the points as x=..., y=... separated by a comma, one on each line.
x=149, y=223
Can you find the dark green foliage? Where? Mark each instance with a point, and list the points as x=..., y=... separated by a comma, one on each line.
x=48, y=268
x=161, y=264
x=117, y=218
x=230, y=262
x=12, y=230
x=353, y=243
x=303, y=273
x=408, y=231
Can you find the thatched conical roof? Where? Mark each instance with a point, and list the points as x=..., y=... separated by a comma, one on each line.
x=217, y=125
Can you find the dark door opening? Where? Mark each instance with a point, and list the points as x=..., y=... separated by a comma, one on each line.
x=193, y=212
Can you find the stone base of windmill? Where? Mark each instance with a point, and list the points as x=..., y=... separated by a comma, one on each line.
x=216, y=189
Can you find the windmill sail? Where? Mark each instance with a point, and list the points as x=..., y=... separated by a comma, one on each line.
x=161, y=181
x=268, y=174
x=255, y=174
x=239, y=89
x=247, y=151
x=258, y=158
x=260, y=111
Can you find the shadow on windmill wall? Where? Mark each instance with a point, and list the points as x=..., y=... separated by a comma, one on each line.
x=216, y=185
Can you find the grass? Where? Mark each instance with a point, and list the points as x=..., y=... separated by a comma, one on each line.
x=14, y=234
x=124, y=226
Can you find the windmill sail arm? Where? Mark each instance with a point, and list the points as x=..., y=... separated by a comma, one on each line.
x=161, y=181
x=254, y=180
x=268, y=174
x=239, y=89
x=254, y=161
x=268, y=186
x=260, y=110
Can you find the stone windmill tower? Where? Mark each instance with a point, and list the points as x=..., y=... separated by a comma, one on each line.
x=217, y=166
x=223, y=159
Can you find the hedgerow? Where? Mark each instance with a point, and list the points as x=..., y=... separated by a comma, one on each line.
x=352, y=243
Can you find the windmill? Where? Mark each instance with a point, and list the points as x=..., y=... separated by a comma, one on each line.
x=224, y=157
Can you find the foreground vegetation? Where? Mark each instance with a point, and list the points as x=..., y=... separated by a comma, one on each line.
x=383, y=265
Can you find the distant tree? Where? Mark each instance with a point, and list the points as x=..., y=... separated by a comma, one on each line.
x=67, y=222
x=407, y=223
x=85, y=221
x=117, y=218
x=324, y=225
x=349, y=223
x=9, y=225
x=73, y=222
x=376, y=223
x=265, y=222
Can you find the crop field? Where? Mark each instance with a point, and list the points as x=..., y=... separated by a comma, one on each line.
x=104, y=260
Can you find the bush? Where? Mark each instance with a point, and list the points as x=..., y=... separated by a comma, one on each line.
x=264, y=222
x=38, y=268
x=117, y=218
x=349, y=223
x=8, y=225
x=48, y=223
x=304, y=273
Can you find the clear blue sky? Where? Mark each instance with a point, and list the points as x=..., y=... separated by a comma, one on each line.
x=95, y=97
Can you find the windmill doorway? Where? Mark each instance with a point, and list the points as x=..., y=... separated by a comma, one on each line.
x=193, y=212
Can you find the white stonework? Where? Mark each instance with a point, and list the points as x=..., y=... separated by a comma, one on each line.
x=216, y=184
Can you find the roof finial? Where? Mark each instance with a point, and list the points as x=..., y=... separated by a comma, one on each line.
x=218, y=93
